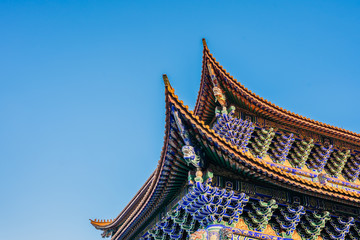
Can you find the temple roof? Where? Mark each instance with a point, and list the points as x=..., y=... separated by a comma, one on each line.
x=172, y=171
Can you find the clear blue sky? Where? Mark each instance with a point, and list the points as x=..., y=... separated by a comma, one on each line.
x=82, y=98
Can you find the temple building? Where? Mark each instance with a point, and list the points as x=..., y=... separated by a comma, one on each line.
x=240, y=167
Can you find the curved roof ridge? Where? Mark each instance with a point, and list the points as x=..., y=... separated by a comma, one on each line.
x=145, y=192
x=248, y=91
x=202, y=82
x=98, y=224
x=141, y=206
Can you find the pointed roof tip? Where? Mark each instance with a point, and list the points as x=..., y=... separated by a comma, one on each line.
x=204, y=43
x=167, y=83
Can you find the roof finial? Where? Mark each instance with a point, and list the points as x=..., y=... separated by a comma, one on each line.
x=168, y=86
x=204, y=43
x=166, y=81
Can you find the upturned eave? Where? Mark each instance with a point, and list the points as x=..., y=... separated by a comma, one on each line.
x=205, y=105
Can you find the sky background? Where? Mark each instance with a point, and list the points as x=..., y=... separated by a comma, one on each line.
x=82, y=112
